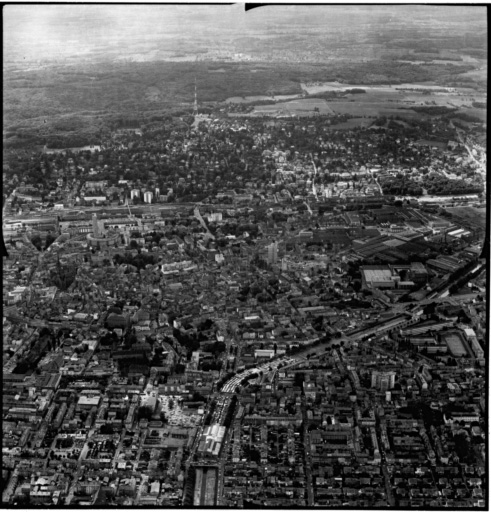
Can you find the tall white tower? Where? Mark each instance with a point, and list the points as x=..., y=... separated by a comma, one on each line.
x=95, y=225
x=195, y=108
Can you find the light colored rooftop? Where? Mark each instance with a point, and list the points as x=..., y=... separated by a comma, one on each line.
x=377, y=275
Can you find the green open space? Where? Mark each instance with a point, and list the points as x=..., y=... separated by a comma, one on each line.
x=469, y=216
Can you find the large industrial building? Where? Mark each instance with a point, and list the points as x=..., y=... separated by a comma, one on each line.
x=44, y=223
x=378, y=277
x=401, y=277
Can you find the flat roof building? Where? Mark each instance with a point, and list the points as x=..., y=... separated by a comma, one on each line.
x=377, y=277
x=455, y=344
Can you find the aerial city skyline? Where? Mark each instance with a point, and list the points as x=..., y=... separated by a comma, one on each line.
x=246, y=256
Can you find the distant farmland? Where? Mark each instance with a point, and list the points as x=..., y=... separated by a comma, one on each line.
x=311, y=106
x=300, y=107
x=383, y=100
x=371, y=109
x=352, y=123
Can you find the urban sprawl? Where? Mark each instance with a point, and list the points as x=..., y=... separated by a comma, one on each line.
x=247, y=311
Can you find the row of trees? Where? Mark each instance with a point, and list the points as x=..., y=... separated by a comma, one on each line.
x=139, y=261
x=400, y=185
x=441, y=186
x=435, y=184
x=37, y=241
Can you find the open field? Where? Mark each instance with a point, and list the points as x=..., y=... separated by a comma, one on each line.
x=435, y=61
x=376, y=101
x=459, y=100
x=402, y=92
x=479, y=75
x=298, y=107
x=375, y=109
x=469, y=216
x=477, y=112
x=337, y=86
x=356, y=122
x=397, y=100
x=250, y=99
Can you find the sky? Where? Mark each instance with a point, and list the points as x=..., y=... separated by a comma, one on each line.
x=50, y=31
